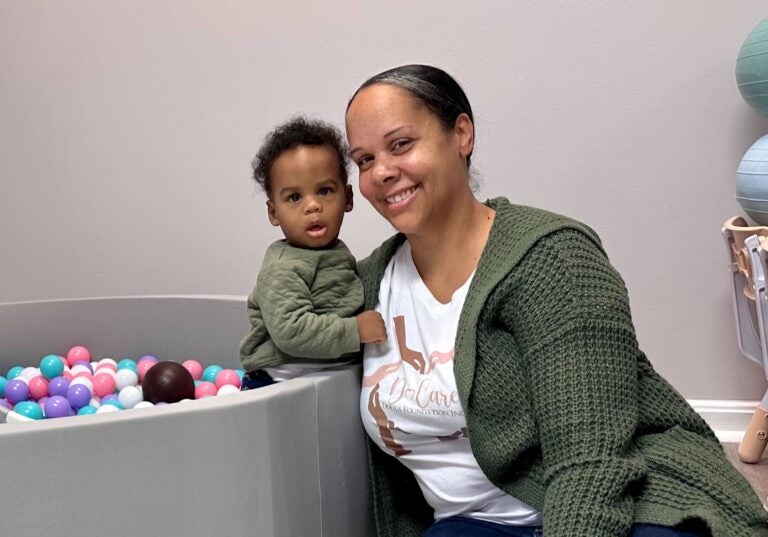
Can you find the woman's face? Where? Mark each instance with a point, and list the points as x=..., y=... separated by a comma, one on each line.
x=412, y=169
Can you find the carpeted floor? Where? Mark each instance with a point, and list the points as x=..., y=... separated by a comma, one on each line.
x=756, y=474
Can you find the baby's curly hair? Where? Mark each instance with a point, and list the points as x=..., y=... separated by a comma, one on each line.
x=297, y=131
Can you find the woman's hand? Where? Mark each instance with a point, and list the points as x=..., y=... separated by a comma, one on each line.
x=371, y=326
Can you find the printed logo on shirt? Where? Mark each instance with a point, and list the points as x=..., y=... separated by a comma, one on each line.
x=422, y=398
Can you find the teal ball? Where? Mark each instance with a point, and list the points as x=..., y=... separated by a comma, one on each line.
x=752, y=68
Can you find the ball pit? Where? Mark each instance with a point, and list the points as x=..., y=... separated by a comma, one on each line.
x=61, y=387
x=119, y=466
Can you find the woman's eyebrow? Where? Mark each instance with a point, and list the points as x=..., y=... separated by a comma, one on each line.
x=386, y=135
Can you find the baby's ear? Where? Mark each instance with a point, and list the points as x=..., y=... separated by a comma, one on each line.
x=272, y=214
x=348, y=195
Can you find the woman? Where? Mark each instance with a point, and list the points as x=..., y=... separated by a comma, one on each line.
x=511, y=395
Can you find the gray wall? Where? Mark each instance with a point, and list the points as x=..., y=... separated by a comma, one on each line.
x=127, y=128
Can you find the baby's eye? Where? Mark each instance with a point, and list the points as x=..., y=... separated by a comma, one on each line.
x=294, y=197
x=325, y=191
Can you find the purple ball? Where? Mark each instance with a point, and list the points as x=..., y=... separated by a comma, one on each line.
x=5, y=403
x=16, y=391
x=148, y=357
x=109, y=397
x=58, y=386
x=57, y=407
x=78, y=396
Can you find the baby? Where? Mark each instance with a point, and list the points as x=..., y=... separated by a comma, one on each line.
x=305, y=307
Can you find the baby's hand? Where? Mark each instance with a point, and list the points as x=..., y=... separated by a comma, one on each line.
x=371, y=327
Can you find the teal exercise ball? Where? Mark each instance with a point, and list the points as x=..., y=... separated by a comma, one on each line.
x=752, y=68
x=752, y=181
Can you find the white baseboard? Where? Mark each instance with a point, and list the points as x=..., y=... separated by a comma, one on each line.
x=728, y=418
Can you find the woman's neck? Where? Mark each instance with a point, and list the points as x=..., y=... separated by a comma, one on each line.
x=447, y=256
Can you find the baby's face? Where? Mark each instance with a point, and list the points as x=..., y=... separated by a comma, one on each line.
x=308, y=198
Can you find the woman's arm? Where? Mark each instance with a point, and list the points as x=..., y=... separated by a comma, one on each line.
x=571, y=317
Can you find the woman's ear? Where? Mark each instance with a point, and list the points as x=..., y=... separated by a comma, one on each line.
x=348, y=196
x=464, y=130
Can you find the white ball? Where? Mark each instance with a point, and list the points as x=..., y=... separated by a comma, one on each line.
x=80, y=368
x=103, y=409
x=107, y=361
x=95, y=402
x=228, y=389
x=28, y=373
x=129, y=396
x=126, y=377
x=143, y=404
x=85, y=381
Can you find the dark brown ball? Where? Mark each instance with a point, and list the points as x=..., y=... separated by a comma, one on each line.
x=168, y=382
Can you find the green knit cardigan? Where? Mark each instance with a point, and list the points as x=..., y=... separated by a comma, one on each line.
x=563, y=410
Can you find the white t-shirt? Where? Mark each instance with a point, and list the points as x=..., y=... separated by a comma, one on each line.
x=410, y=405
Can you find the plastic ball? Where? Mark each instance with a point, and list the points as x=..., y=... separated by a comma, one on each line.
x=752, y=181
x=51, y=366
x=103, y=384
x=29, y=409
x=85, y=381
x=3, y=381
x=126, y=377
x=148, y=358
x=752, y=68
x=28, y=373
x=108, y=362
x=210, y=372
x=79, y=368
x=57, y=407
x=115, y=403
x=78, y=396
x=130, y=396
x=86, y=410
x=228, y=389
x=142, y=368
x=103, y=409
x=205, y=389
x=143, y=404
x=227, y=377
x=5, y=403
x=78, y=354
x=58, y=386
x=168, y=382
x=16, y=391
x=38, y=387
x=195, y=368
x=14, y=372
x=126, y=363
x=240, y=373
x=95, y=402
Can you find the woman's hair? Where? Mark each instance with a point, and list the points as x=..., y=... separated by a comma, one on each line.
x=297, y=131
x=432, y=87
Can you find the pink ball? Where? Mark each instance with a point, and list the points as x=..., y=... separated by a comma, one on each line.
x=103, y=384
x=67, y=375
x=227, y=376
x=38, y=387
x=78, y=354
x=142, y=367
x=205, y=389
x=194, y=367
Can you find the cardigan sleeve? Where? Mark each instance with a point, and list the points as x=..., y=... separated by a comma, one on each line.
x=570, y=315
x=294, y=327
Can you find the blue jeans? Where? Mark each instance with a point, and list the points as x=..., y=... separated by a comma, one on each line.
x=459, y=526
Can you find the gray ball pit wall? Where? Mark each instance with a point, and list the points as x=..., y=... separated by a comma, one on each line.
x=285, y=460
